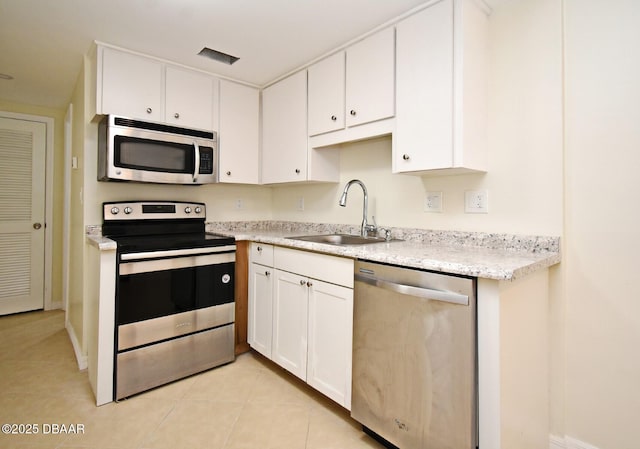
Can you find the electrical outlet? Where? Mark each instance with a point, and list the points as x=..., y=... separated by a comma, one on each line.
x=433, y=202
x=476, y=202
x=239, y=204
x=300, y=203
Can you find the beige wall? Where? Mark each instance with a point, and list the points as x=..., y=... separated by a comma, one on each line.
x=602, y=222
x=75, y=311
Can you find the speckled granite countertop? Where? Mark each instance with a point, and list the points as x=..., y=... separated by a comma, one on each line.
x=485, y=255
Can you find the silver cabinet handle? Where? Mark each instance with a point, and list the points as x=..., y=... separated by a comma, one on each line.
x=297, y=171
x=267, y=273
x=149, y=110
x=228, y=173
x=303, y=282
x=405, y=157
x=196, y=169
x=176, y=115
x=309, y=284
x=334, y=118
x=418, y=292
x=37, y=226
x=259, y=248
x=352, y=112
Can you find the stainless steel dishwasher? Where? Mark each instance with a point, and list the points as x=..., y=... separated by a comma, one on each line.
x=414, y=357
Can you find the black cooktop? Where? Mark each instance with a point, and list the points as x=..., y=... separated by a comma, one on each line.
x=142, y=243
x=141, y=226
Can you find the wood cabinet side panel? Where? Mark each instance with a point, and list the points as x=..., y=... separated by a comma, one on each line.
x=241, y=296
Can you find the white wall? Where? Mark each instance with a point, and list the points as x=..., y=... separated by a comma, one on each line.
x=602, y=227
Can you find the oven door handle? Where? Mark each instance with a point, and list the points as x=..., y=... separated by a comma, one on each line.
x=175, y=263
x=196, y=155
x=177, y=252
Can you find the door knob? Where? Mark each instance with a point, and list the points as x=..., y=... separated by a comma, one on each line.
x=37, y=226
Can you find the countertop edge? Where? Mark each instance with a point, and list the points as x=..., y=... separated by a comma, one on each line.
x=384, y=253
x=100, y=242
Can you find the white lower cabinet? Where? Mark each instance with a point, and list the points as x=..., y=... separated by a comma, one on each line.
x=329, y=340
x=290, y=311
x=260, y=308
x=259, y=330
x=305, y=306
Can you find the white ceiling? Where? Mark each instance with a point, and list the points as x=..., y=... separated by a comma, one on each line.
x=42, y=41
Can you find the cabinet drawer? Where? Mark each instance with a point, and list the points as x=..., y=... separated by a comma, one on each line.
x=261, y=253
x=332, y=269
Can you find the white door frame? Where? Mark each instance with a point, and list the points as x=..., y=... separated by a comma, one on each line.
x=66, y=219
x=48, y=201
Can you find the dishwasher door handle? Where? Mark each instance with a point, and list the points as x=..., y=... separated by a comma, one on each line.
x=418, y=292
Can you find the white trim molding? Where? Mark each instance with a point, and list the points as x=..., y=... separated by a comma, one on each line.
x=556, y=442
x=77, y=349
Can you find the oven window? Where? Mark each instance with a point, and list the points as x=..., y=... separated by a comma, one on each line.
x=143, y=296
x=145, y=154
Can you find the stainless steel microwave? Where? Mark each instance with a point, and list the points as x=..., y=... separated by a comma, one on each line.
x=135, y=150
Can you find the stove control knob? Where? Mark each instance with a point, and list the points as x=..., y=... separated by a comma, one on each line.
x=198, y=209
x=187, y=210
x=114, y=210
x=128, y=210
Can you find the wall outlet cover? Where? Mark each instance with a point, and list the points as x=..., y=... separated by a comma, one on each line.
x=476, y=202
x=433, y=202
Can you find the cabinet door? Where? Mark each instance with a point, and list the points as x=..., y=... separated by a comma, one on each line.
x=326, y=95
x=284, y=130
x=370, y=79
x=330, y=340
x=189, y=98
x=290, y=306
x=259, y=333
x=132, y=86
x=239, y=133
x=424, y=102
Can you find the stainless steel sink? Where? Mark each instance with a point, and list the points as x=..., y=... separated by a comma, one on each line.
x=339, y=239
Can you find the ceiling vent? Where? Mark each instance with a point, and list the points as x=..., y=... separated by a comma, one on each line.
x=218, y=56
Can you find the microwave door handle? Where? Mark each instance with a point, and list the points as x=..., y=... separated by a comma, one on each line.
x=196, y=169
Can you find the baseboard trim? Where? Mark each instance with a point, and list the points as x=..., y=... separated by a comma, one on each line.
x=53, y=305
x=556, y=442
x=77, y=347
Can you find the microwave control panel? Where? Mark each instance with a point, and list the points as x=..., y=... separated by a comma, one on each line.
x=206, y=161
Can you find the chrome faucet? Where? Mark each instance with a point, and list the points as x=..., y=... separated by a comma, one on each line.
x=365, y=228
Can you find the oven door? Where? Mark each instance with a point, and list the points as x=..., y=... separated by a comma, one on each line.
x=165, y=294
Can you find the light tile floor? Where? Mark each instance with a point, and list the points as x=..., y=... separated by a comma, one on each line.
x=248, y=404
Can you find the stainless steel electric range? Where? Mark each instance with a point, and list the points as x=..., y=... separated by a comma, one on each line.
x=175, y=307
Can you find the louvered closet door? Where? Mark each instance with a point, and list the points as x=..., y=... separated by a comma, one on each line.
x=22, y=182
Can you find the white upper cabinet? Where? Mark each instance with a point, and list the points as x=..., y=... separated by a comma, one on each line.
x=370, y=78
x=284, y=130
x=326, y=95
x=286, y=156
x=144, y=88
x=441, y=90
x=189, y=98
x=353, y=87
x=239, y=135
x=132, y=86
